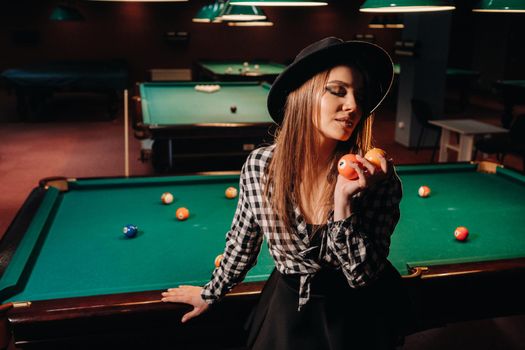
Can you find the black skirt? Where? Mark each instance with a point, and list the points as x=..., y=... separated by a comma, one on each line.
x=336, y=316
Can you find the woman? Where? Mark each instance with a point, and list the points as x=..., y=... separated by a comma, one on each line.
x=333, y=287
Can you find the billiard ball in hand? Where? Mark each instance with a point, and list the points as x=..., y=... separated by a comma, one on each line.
x=344, y=168
x=233, y=109
x=423, y=191
x=182, y=214
x=231, y=192
x=130, y=231
x=166, y=198
x=218, y=260
x=461, y=233
x=374, y=156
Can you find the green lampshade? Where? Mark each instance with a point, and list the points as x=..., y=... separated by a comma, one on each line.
x=219, y=7
x=66, y=13
x=389, y=6
x=500, y=6
x=263, y=23
x=278, y=2
x=141, y=0
x=243, y=13
x=210, y=13
x=204, y=15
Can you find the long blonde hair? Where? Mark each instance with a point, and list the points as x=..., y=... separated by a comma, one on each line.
x=296, y=152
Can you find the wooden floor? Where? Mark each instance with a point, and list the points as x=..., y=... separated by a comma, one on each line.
x=74, y=138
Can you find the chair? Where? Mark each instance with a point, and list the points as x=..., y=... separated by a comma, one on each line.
x=423, y=113
x=502, y=144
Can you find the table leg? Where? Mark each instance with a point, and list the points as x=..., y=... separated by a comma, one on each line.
x=443, y=143
x=466, y=143
x=170, y=154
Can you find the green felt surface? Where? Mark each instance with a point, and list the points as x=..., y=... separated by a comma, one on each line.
x=83, y=252
x=237, y=67
x=179, y=104
x=86, y=253
x=492, y=207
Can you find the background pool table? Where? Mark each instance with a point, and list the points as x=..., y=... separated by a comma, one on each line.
x=36, y=84
x=460, y=80
x=512, y=92
x=236, y=71
x=197, y=131
x=65, y=254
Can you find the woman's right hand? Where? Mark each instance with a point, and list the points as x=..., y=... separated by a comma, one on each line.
x=368, y=175
x=188, y=295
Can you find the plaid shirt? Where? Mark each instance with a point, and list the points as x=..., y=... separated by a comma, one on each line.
x=358, y=245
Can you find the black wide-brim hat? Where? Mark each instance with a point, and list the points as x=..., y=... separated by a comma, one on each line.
x=373, y=61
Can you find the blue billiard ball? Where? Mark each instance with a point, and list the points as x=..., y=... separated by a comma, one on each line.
x=130, y=231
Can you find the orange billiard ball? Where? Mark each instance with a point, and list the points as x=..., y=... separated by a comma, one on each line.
x=231, y=192
x=344, y=168
x=373, y=156
x=166, y=198
x=218, y=260
x=461, y=233
x=182, y=214
x=423, y=191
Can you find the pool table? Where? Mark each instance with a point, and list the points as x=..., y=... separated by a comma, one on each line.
x=236, y=71
x=69, y=276
x=198, y=131
x=35, y=84
x=457, y=79
x=512, y=92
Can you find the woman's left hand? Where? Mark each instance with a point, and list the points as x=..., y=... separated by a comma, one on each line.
x=187, y=295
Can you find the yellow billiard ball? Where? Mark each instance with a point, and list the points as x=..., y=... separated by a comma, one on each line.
x=166, y=198
x=218, y=260
x=231, y=192
x=374, y=156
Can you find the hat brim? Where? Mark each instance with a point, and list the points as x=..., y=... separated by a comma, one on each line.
x=370, y=58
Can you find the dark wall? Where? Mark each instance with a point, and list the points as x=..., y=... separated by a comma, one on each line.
x=135, y=32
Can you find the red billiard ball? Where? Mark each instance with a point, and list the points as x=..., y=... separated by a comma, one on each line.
x=231, y=192
x=461, y=233
x=233, y=109
x=423, y=191
x=374, y=156
x=344, y=168
x=182, y=214
x=218, y=260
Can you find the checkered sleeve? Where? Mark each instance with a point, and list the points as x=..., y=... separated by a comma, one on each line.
x=361, y=242
x=243, y=243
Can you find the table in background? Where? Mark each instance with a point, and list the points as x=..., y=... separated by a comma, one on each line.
x=467, y=129
x=197, y=131
x=457, y=78
x=236, y=71
x=35, y=84
x=512, y=93
x=82, y=282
